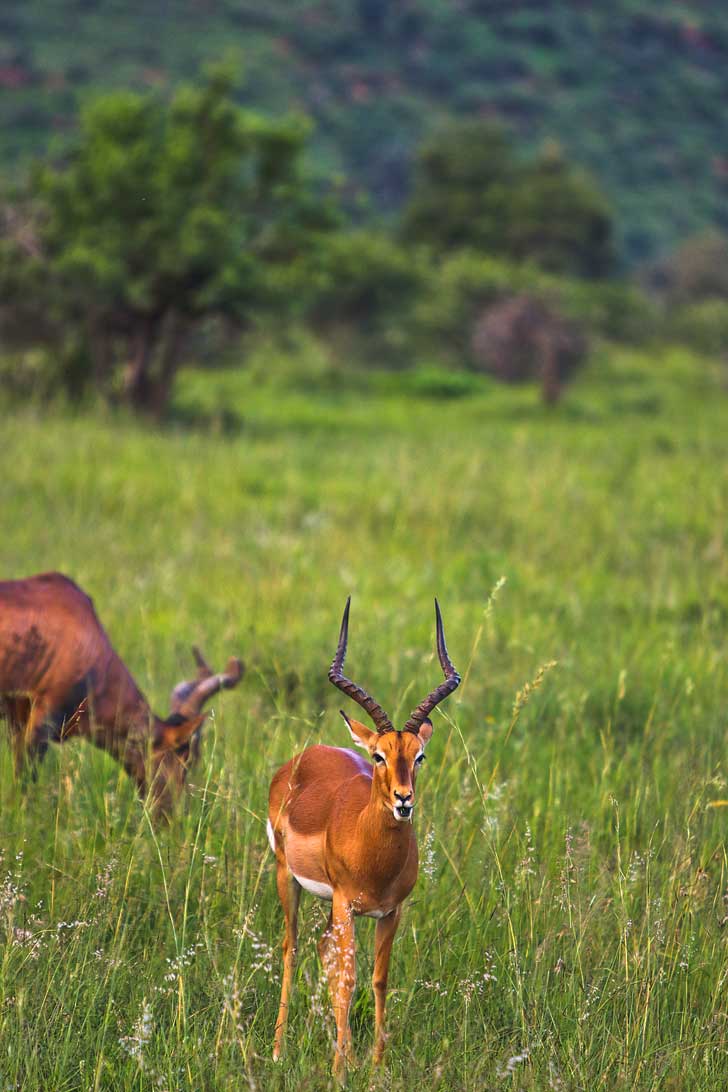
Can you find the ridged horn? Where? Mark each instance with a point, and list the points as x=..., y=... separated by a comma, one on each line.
x=337, y=677
x=452, y=680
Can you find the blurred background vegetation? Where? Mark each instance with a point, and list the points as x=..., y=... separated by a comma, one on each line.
x=632, y=89
x=454, y=188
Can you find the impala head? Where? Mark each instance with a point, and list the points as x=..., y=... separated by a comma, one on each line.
x=396, y=755
x=176, y=740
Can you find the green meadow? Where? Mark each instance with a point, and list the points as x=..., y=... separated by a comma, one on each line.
x=568, y=929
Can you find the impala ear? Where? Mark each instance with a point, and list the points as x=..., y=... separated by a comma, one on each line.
x=424, y=733
x=176, y=732
x=361, y=735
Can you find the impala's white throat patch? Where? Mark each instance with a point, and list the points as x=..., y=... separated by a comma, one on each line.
x=271, y=836
x=322, y=890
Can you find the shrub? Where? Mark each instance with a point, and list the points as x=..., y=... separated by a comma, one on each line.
x=703, y=326
x=523, y=338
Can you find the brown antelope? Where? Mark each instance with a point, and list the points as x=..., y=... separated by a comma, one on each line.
x=60, y=677
x=342, y=829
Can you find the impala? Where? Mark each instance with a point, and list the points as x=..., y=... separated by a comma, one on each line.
x=341, y=828
x=60, y=677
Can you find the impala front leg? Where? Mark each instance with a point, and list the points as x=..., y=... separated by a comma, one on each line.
x=337, y=951
x=383, y=938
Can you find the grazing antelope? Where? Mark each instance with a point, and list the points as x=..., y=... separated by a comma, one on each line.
x=342, y=829
x=60, y=677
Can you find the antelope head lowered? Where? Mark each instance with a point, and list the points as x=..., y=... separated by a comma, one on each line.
x=341, y=828
x=60, y=677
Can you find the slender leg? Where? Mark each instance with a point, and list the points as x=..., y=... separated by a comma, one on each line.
x=330, y=963
x=386, y=928
x=289, y=892
x=28, y=739
x=325, y=956
x=338, y=955
x=35, y=752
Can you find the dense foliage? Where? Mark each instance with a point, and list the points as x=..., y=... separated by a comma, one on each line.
x=634, y=91
x=470, y=191
x=167, y=221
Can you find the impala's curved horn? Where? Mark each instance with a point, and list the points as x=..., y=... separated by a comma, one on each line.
x=336, y=676
x=452, y=680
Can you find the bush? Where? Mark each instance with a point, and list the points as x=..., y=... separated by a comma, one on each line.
x=362, y=289
x=432, y=381
x=703, y=326
x=696, y=271
x=522, y=338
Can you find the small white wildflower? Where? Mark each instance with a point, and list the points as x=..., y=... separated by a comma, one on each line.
x=592, y=995
x=510, y=1066
x=141, y=1034
x=104, y=879
x=429, y=863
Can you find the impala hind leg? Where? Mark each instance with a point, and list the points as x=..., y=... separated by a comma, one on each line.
x=289, y=892
x=383, y=938
x=338, y=955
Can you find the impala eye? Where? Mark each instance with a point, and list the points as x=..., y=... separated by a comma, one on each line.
x=420, y=758
x=378, y=759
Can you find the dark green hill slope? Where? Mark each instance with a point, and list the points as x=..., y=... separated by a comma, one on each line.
x=633, y=90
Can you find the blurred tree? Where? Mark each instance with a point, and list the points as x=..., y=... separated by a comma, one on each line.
x=163, y=216
x=361, y=288
x=559, y=220
x=461, y=191
x=522, y=338
x=471, y=192
x=362, y=276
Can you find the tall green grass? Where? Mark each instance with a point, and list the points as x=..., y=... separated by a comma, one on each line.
x=568, y=927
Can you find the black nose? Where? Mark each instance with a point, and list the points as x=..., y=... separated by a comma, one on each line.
x=403, y=796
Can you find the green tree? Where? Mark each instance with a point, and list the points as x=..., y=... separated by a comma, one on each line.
x=163, y=216
x=558, y=219
x=461, y=189
x=471, y=192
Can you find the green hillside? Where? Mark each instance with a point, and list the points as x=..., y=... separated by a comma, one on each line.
x=633, y=90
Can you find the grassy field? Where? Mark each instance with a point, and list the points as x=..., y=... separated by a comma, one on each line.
x=568, y=927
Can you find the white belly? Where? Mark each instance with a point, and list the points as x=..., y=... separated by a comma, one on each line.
x=322, y=890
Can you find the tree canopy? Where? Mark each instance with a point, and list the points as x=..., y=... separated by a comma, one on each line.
x=471, y=192
x=164, y=215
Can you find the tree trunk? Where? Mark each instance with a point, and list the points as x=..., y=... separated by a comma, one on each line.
x=172, y=343
x=136, y=377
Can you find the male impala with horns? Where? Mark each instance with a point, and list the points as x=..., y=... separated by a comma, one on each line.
x=341, y=827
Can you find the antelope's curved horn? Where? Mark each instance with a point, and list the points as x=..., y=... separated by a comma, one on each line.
x=336, y=676
x=203, y=668
x=189, y=697
x=452, y=680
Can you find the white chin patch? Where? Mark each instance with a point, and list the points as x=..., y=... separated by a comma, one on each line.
x=271, y=836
